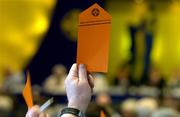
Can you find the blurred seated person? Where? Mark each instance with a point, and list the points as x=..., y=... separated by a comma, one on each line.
x=54, y=84
x=146, y=106
x=38, y=98
x=123, y=76
x=173, y=84
x=6, y=105
x=100, y=83
x=174, y=80
x=154, y=84
x=165, y=112
x=13, y=81
x=168, y=101
x=104, y=100
x=155, y=78
x=94, y=110
x=79, y=87
x=128, y=108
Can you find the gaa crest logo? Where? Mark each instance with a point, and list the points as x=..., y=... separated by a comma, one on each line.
x=95, y=12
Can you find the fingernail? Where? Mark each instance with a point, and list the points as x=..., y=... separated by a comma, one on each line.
x=81, y=65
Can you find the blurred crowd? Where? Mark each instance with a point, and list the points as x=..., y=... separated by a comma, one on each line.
x=156, y=96
x=136, y=88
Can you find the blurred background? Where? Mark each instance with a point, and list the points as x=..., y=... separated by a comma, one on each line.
x=143, y=79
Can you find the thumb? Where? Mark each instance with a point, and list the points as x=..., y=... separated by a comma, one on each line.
x=73, y=72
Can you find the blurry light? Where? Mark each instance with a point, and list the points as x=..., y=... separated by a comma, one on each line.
x=69, y=24
x=40, y=24
x=157, y=50
x=22, y=25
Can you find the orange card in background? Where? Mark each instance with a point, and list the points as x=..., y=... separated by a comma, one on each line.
x=93, y=38
x=27, y=92
x=102, y=114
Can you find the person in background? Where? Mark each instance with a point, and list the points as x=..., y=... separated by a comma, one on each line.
x=155, y=78
x=154, y=85
x=6, y=105
x=39, y=99
x=165, y=112
x=79, y=87
x=146, y=106
x=128, y=108
x=123, y=76
x=101, y=83
x=13, y=81
x=104, y=101
x=54, y=84
x=174, y=80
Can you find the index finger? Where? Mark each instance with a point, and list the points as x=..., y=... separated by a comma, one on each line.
x=82, y=72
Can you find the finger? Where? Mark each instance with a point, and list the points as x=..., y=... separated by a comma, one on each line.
x=91, y=81
x=73, y=71
x=43, y=114
x=47, y=115
x=33, y=112
x=82, y=72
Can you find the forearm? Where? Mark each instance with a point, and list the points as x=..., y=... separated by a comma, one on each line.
x=79, y=91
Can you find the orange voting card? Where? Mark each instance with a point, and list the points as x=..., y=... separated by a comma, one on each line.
x=102, y=114
x=93, y=38
x=27, y=92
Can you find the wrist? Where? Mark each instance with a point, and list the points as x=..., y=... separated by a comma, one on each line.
x=71, y=112
x=81, y=107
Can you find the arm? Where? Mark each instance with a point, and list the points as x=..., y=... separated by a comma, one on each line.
x=79, y=88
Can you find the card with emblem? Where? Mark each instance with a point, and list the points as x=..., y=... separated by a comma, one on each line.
x=93, y=38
